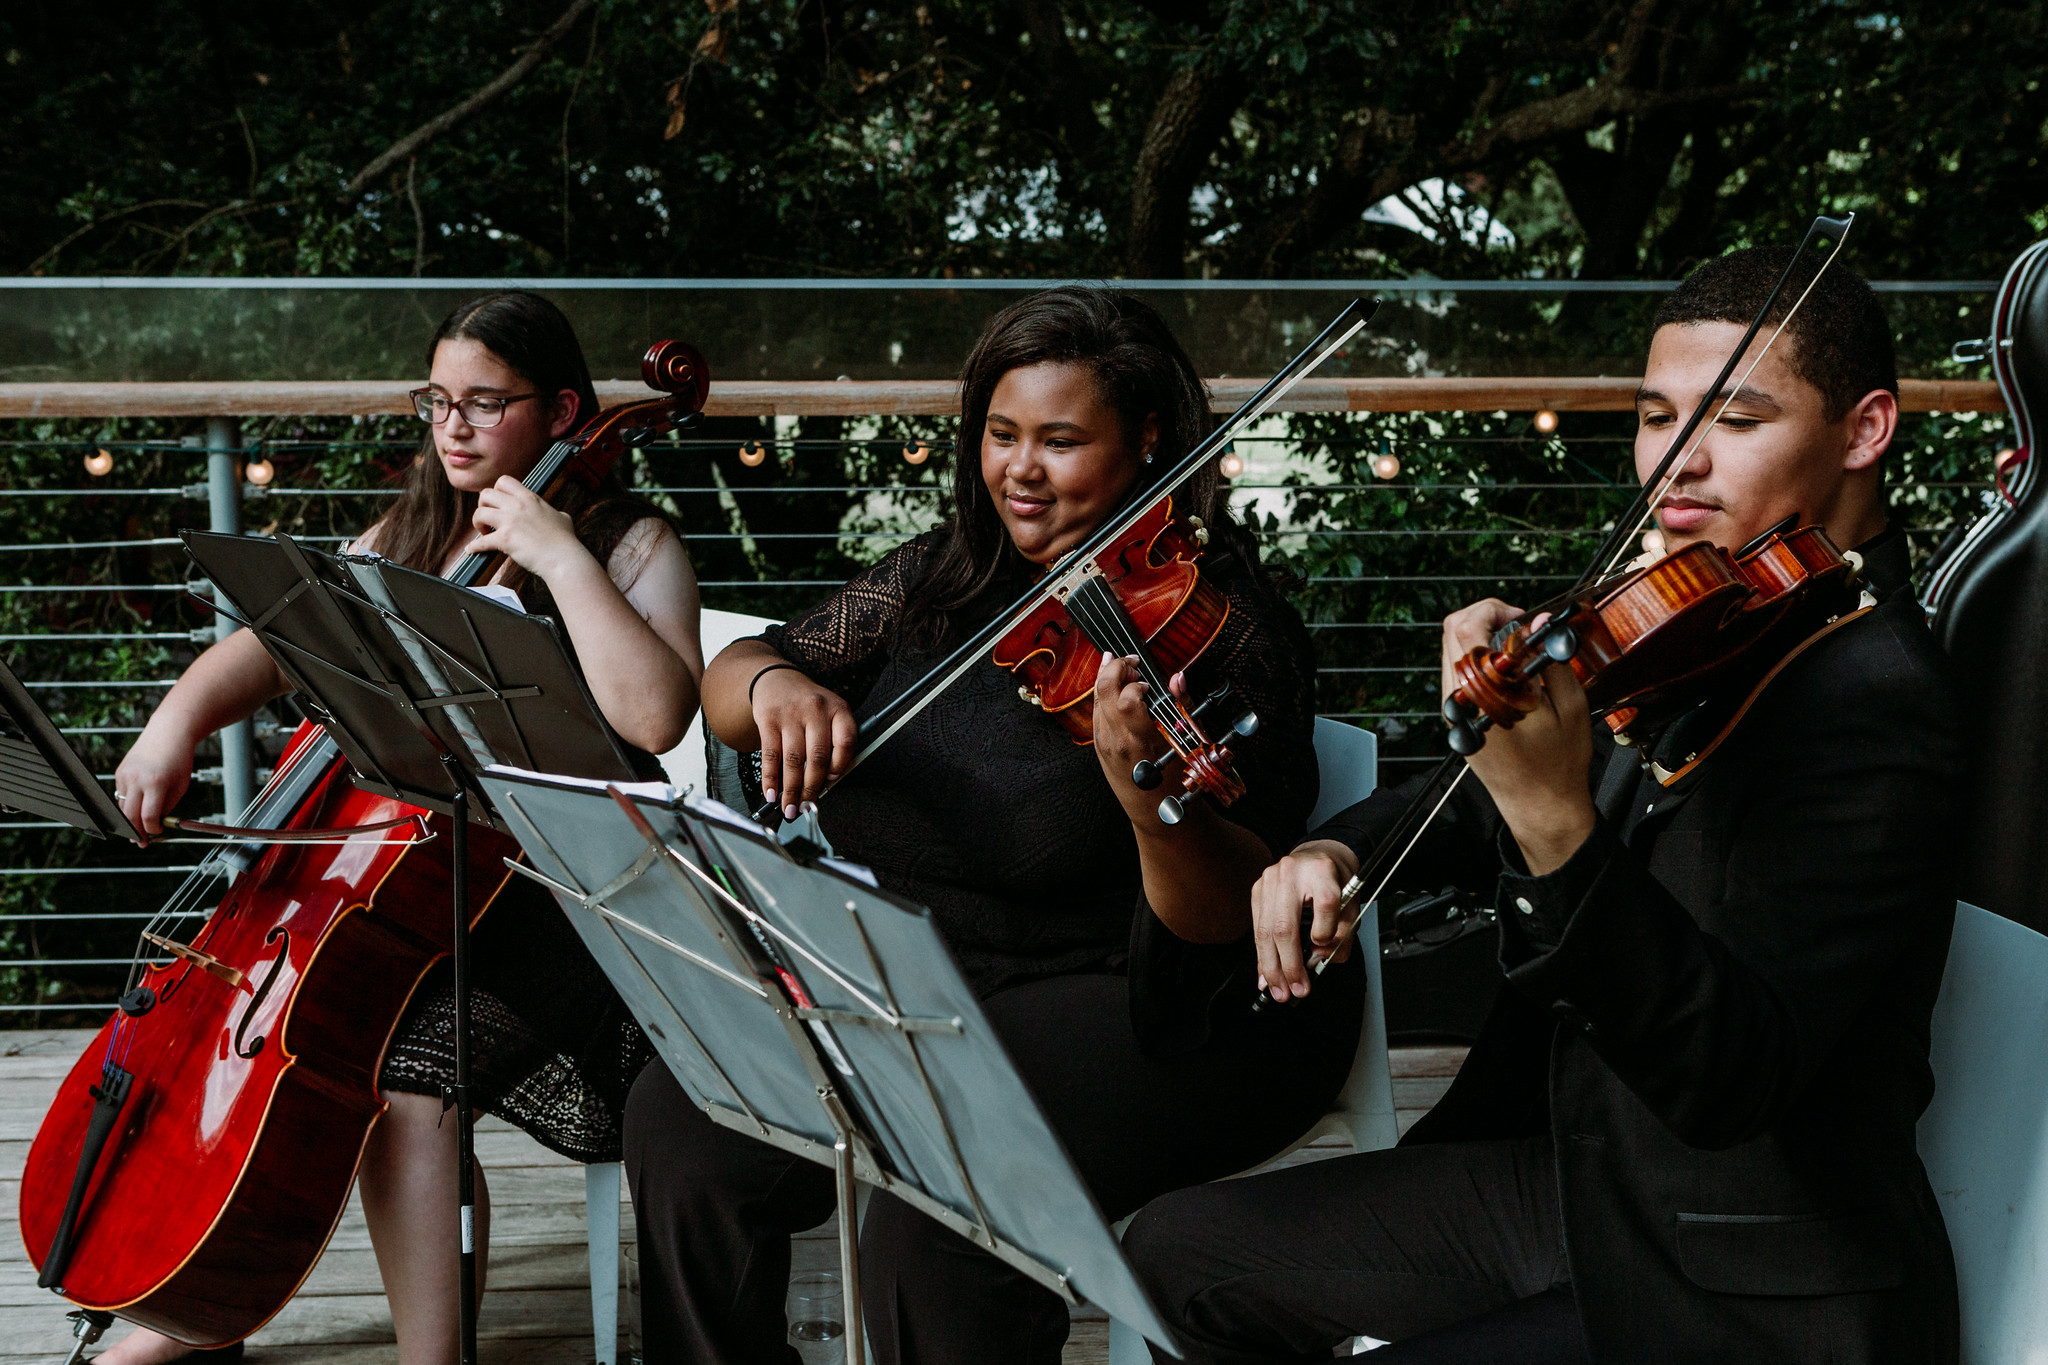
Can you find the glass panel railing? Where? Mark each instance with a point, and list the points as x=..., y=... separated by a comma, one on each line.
x=190, y=329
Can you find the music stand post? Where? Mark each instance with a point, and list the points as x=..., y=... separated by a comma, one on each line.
x=465, y=1118
x=800, y=1004
x=375, y=651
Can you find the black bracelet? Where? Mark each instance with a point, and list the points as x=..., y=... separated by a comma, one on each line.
x=762, y=674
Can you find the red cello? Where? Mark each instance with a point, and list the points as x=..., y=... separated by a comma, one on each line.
x=197, y=1158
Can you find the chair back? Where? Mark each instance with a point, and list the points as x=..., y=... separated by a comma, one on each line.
x=684, y=764
x=1348, y=759
x=1984, y=1139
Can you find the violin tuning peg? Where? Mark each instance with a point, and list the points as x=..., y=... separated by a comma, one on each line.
x=1560, y=644
x=1457, y=710
x=1171, y=812
x=1146, y=774
x=1465, y=739
x=1244, y=727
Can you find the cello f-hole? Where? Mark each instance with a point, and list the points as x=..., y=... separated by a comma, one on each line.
x=255, y=1045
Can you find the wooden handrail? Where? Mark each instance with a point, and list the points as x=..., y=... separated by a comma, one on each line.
x=891, y=397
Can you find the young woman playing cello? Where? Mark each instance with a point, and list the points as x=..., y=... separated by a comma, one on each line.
x=1113, y=952
x=553, y=1049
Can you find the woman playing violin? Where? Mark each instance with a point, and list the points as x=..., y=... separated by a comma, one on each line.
x=553, y=1049
x=1103, y=942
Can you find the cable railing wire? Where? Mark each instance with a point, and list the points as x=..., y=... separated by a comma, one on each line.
x=1368, y=691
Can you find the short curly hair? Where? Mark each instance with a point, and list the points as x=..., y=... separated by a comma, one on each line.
x=1841, y=339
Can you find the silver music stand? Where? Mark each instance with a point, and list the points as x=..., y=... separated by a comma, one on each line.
x=420, y=684
x=799, y=1003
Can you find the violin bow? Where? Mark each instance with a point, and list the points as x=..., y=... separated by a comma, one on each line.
x=877, y=729
x=1387, y=857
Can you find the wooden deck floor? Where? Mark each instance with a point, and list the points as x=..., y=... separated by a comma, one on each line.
x=537, y=1311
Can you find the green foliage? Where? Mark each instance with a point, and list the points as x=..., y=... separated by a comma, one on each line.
x=796, y=137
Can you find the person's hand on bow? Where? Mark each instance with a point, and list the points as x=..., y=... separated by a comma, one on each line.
x=1535, y=770
x=807, y=736
x=1311, y=879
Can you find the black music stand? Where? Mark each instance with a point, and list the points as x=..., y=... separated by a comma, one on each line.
x=799, y=1003
x=42, y=774
x=421, y=684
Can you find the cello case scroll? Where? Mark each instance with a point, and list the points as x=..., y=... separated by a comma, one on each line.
x=1984, y=600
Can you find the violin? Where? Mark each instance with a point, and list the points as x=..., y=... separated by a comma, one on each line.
x=200, y=1152
x=1661, y=638
x=1140, y=596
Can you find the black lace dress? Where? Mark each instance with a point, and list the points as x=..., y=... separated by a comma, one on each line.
x=552, y=1047
x=984, y=809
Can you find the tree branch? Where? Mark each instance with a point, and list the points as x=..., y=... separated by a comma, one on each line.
x=410, y=144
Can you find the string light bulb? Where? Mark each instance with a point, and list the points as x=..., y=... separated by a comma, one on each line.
x=1386, y=465
x=1232, y=463
x=916, y=452
x=1546, y=421
x=100, y=463
x=259, y=472
x=753, y=453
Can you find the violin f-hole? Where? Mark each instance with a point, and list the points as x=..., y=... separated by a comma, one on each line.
x=248, y=1052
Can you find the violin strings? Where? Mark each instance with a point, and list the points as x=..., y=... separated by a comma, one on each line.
x=1678, y=465
x=1113, y=629
x=1107, y=626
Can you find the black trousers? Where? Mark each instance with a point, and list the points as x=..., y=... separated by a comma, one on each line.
x=1453, y=1252
x=716, y=1208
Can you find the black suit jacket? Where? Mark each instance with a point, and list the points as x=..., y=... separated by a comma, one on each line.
x=1719, y=1010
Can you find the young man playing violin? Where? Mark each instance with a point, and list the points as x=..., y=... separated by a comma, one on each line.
x=1686, y=1130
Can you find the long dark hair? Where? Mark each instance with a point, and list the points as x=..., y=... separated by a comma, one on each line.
x=431, y=519
x=1140, y=371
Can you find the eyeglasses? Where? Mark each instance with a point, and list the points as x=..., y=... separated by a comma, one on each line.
x=482, y=410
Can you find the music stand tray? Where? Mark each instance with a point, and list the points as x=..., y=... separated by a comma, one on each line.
x=806, y=1006
x=402, y=667
x=42, y=774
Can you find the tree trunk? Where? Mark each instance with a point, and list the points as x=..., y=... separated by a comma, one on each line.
x=1192, y=114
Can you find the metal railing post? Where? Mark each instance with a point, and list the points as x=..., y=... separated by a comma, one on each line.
x=224, y=505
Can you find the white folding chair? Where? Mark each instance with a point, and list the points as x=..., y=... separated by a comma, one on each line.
x=684, y=765
x=1348, y=758
x=1984, y=1139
